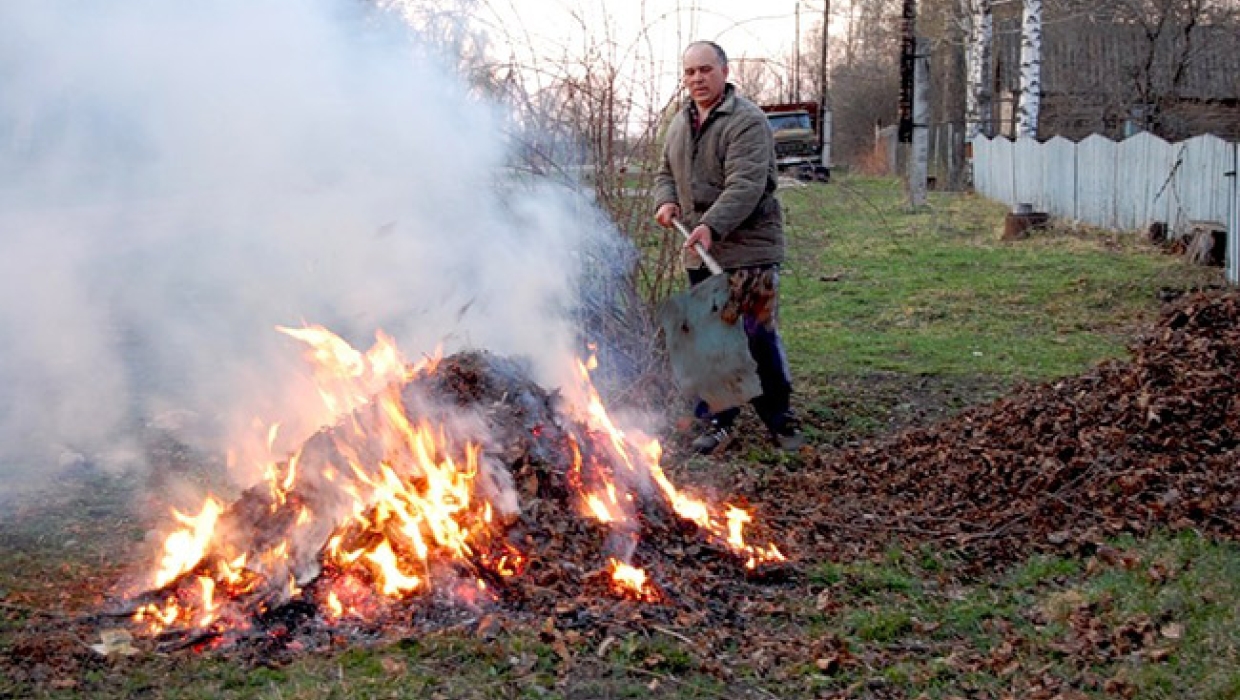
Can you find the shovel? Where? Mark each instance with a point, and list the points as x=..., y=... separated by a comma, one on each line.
x=709, y=356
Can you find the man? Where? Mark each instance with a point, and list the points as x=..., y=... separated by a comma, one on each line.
x=719, y=176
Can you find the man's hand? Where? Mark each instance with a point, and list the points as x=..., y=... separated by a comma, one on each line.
x=667, y=212
x=700, y=234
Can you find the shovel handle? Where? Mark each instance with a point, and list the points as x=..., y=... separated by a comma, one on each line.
x=710, y=261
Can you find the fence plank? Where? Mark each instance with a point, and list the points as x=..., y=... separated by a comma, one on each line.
x=1095, y=181
x=1059, y=178
x=1233, y=223
x=1027, y=178
x=984, y=167
x=1161, y=187
x=995, y=172
x=1133, y=176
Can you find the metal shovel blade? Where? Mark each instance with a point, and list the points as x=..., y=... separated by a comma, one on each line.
x=709, y=356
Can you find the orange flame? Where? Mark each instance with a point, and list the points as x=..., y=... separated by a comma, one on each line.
x=393, y=581
x=186, y=547
x=631, y=580
x=641, y=458
x=208, y=600
x=335, y=609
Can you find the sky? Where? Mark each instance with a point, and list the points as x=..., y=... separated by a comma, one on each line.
x=741, y=26
x=650, y=30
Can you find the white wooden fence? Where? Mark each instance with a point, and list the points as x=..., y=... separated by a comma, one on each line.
x=1124, y=186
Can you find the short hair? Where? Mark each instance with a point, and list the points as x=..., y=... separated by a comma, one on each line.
x=723, y=57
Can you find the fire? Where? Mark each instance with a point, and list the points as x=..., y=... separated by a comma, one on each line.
x=640, y=457
x=631, y=581
x=186, y=547
x=605, y=506
x=392, y=580
x=345, y=377
x=336, y=610
x=208, y=600
x=401, y=506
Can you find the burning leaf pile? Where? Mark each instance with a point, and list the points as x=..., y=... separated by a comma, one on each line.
x=1132, y=445
x=444, y=490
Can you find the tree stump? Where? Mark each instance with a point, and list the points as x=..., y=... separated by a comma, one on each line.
x=1207, y=243
x=1156, y=234
x=1018, y=223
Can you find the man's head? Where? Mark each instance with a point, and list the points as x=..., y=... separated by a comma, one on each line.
x=705, y=72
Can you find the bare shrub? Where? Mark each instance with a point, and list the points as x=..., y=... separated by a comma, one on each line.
x=589, y=120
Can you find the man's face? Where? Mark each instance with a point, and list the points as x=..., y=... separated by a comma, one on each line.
x=704, y=78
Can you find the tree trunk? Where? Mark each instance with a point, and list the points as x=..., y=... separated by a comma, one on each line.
x=1030, y=69
x=980, y=35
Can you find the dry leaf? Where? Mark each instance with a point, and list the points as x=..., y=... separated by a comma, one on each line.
x=393, y=667
x=115, y=642
x=828, y=664
x=823, y=600
x=602, y=648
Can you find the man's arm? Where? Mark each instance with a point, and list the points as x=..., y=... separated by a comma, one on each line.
x=666, y=198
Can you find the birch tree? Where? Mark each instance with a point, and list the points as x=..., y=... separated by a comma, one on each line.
x=1030, y=69
x=979, y=33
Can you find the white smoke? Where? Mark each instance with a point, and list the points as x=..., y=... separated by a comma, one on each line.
x=177, y=179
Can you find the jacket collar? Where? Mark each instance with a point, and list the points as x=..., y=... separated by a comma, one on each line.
x=727, y=101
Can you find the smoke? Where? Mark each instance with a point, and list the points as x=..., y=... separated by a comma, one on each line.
x=177, y=179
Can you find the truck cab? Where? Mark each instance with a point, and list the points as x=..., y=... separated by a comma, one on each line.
x=797, y=142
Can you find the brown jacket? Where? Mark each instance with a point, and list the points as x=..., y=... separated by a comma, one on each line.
x=726, y=179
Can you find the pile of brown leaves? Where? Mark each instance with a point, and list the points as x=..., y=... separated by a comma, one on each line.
x=1127, y=447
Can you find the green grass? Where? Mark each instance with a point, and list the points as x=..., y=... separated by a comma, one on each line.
x=871, y=287
x=1158, y=618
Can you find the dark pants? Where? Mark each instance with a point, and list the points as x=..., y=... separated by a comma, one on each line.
x=773, y=406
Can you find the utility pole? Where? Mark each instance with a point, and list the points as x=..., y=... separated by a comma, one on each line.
x=908, y=49
x=914, y=104
x=824, y=110
x=919, y=151
x=796, y=66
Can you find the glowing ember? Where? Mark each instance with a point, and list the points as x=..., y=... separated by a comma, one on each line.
x=335, y=609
